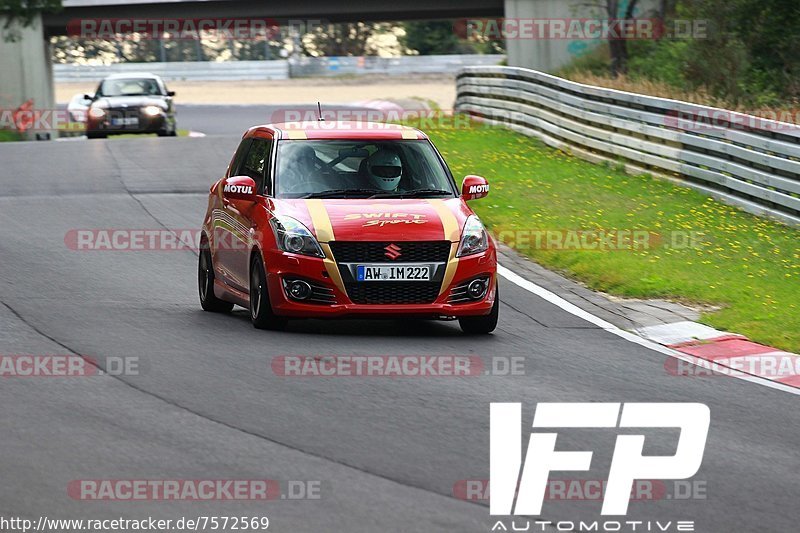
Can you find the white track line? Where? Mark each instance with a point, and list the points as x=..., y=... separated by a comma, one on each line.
x=573, y=309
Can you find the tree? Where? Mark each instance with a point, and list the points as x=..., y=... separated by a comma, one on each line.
x=24, y=11
x=341, y=39
x=750, y=52
x=619, y=47
x=430, y=37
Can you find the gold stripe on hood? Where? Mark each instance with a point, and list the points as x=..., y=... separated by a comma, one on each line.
x=452, y=233
x=324, y=232
x=320, y=220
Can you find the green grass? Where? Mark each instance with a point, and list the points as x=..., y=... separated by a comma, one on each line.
x=747, y=267
x=8, y=136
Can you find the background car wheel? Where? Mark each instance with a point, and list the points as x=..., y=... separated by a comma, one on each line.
x=481, y=325
x=205, y=283
x=261, y=314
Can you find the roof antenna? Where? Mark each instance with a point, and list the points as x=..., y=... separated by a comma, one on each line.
x=319, y=109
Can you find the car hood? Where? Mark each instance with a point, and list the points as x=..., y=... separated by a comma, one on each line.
x=130, y=101
x=379, y=219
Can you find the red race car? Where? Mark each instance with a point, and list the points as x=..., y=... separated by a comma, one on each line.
x=334, y=220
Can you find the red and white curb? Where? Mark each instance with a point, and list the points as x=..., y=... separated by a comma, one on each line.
x=724, y=353
x=696, y=344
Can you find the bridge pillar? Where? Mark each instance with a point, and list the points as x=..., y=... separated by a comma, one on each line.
x=25, y=70
x=549, y=55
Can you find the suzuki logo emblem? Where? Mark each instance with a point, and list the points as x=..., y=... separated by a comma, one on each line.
x=393, y=251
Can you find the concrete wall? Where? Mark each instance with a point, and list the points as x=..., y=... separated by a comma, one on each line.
x=281, y=69
x=549, y=55
x=25, y=69
x=178, y=70
x=392, y=66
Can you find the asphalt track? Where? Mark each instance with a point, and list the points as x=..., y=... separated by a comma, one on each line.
x=207, y=405
x=235, y=119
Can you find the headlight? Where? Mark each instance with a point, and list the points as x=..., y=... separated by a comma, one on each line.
x=292, y=236
x=474, y=238
x=152, y=110
x=97, y=112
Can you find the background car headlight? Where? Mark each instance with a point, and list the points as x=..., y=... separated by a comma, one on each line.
x=152, y=110
x=474, y=238
x=292, y=236
x=97, y=112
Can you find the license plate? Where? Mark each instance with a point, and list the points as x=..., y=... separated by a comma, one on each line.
x=393, y=272
x=125, y=121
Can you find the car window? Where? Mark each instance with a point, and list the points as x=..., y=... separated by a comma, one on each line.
x=256, y=160
x=238, y=157
x=129, y=87
x=308, y=167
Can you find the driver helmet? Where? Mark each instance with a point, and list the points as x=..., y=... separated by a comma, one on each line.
x=384, y=169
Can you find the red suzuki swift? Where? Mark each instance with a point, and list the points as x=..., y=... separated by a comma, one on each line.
x=317, y=220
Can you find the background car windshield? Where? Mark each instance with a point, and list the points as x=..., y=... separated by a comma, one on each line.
x=129, y=87
x=342, y=169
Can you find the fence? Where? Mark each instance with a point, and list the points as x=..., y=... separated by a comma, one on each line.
x=748, y=162
x=279, y=69
x=434, y=64
x=178, y=70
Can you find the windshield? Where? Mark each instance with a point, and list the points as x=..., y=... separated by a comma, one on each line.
x=129, y=87
x=360, y=169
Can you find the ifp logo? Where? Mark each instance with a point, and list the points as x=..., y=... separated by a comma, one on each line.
x=627, y=463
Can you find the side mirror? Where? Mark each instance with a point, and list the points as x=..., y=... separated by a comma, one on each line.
x=240, y=188
x=89, y=97
x=474, y=187
x=170, y=93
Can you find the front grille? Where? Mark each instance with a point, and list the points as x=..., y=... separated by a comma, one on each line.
x=390, y=292
x=124, y=111
x=375, y=252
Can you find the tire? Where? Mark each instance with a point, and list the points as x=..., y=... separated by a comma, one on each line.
x=205, y=283
x=261, y=314
x=482, y=325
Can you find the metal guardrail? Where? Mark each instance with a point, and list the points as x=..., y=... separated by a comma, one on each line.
x=178, y=70
x=433, y=64
x=752, y=163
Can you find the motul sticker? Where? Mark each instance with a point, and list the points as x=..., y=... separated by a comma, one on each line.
x=240, y=189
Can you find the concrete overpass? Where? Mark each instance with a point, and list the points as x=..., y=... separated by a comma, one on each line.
x=330, y=10
x=26, y=64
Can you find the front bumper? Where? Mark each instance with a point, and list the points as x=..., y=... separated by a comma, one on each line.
x=145, y=124
x=281, y=266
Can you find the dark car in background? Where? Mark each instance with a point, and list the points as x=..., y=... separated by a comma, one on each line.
x=131, y=103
